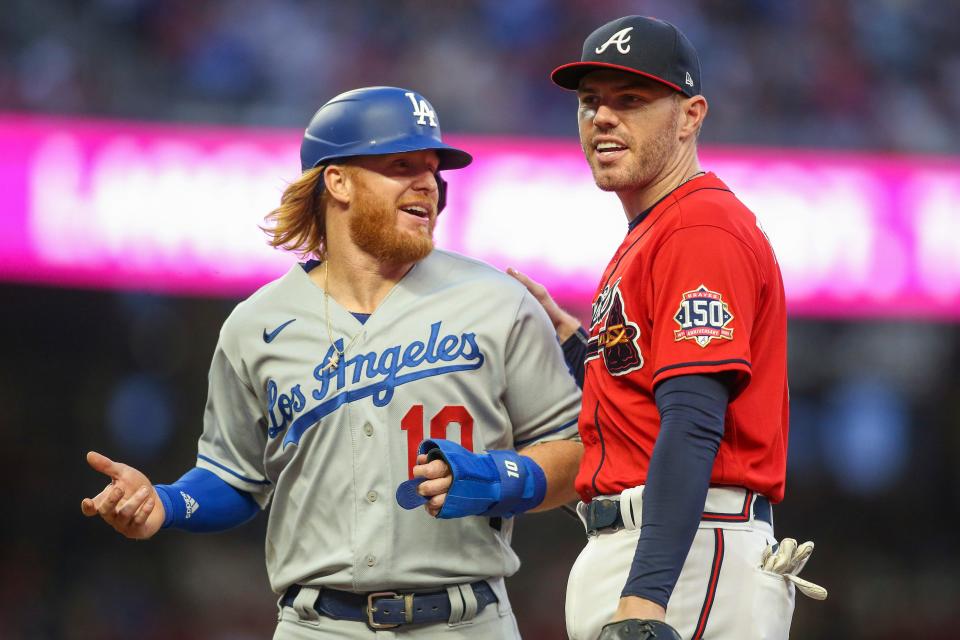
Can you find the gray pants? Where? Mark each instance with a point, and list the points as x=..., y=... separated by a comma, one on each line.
x=301, y=622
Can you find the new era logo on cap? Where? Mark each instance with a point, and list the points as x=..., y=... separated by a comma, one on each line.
x=636, y=44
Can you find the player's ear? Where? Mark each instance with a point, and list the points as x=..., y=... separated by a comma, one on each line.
x=338, y=182
x=692, y=112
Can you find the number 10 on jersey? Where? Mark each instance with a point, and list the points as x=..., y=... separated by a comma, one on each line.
x=412, y=423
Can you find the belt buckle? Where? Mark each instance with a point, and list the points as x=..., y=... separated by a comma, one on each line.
x=371, y=609
x=602, y=513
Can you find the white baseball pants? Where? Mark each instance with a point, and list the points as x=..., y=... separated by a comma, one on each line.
x=722, y=593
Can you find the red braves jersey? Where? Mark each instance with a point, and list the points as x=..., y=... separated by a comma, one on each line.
x=694, y=289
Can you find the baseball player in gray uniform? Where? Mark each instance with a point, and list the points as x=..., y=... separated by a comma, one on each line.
x=325, y=382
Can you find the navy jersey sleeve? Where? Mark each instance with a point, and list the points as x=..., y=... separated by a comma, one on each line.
x=692, y=409
x=574, y=353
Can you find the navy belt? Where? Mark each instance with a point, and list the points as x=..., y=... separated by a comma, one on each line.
x=605, y=514
x=389, y=609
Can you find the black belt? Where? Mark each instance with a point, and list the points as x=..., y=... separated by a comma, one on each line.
x=605, y=514
x=389, y=609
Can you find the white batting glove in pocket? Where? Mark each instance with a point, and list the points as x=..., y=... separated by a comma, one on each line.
x=788, y=559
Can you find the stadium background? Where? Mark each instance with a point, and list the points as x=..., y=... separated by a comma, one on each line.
x=874, y=434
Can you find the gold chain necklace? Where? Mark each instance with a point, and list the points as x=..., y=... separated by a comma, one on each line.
x=337, y=353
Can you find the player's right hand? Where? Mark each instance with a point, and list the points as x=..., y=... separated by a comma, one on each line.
x=437, y=480
x=129, y=504
x=564, y=323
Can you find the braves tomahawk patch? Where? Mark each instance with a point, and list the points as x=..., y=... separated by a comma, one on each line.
x=616, y=339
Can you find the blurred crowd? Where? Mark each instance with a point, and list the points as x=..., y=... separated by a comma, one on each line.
x=875, y=74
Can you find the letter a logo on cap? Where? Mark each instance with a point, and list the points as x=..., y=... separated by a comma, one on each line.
x=620, y=38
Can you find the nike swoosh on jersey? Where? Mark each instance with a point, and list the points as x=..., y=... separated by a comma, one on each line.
x=268, y=337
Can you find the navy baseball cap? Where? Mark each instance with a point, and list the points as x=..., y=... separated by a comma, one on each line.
x=636, y=44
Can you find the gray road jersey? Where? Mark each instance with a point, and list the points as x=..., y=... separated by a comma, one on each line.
x=457, y=349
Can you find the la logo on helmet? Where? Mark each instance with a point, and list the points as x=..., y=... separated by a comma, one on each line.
x=620, y=38
x=422, y=110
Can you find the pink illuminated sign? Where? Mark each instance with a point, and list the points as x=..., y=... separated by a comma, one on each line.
x=176, y=210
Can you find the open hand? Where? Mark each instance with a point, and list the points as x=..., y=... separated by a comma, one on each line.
x=129, y=504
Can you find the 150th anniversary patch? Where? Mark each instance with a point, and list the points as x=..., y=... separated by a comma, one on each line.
x=703, y=316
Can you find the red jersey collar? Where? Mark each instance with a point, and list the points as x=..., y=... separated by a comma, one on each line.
x=708, y=180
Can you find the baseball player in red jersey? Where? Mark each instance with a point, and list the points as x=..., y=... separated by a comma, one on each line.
x=685, y=400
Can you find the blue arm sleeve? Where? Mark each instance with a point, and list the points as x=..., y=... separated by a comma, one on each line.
x=574, y=353
x=201, y=501
x=692, y=410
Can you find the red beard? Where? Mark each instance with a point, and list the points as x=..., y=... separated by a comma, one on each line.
x=373, y=228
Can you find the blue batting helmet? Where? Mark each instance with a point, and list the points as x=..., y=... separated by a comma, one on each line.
x=377, y=121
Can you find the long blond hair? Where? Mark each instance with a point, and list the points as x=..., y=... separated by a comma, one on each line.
x=299, y=223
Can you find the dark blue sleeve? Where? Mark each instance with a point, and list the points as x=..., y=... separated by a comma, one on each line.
x=574, y=353
x=692, y=410
x=201, y=501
